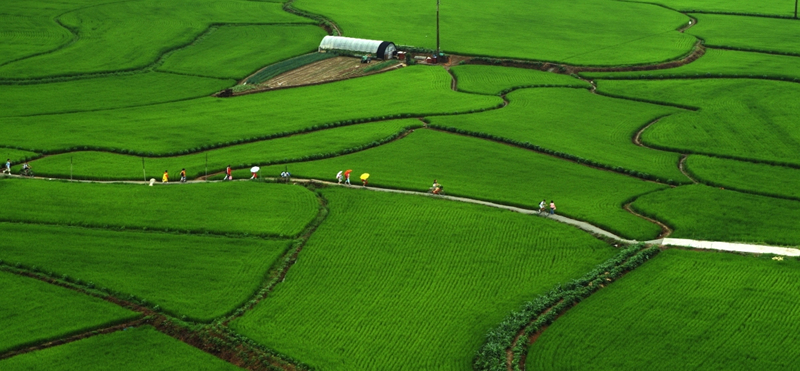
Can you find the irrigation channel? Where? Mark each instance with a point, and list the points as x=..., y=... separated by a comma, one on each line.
x=665, y=241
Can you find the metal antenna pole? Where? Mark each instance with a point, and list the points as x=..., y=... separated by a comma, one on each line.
x=437, y=27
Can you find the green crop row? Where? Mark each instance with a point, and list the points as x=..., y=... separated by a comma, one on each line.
x=247, y=208
x=769, y=35
x=484, y=79
x=683, y=310
x=537, y=314
x=749, y=177
x=563, y=155
x=286, y=66
x=138, y=348
x=387, y=275
x=314, y=145
x=34, y=312
x=705, y=213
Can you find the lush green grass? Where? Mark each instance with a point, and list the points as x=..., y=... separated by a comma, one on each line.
x=746, y=176
x=235, y=208
x=15, y=155
x=132, y=35
x=202, y=277
x=497, y=80
x=721, y=63
x=104, y=93
x=482, y=169
x=579, y=123
x=774, y=7
x=705, y=213
x=393, y=282
x=236, y=51
x=750, y=33
x=575, y=31
x=741, y=118
x=33, y=311
x=682, y=310
x=27, y=29
x=104, y=165
x=174, y=127
x=135, y=349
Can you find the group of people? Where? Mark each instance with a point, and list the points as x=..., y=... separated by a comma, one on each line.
x=26, y=169
x=543, y=207
x=165, y=177
x=344, y=176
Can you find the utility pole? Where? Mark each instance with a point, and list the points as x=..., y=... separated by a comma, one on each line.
x=795, y=9
x=437, y=24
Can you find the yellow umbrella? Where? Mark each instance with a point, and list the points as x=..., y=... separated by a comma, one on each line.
x=364, y=176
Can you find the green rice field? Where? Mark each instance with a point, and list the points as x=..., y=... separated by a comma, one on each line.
x=105, y=165
x=476, y=168
x=637, y=122
x=748, y=33
x=383, y=265
x=720, y=63
x=752, y=177
x=201, y=277
x=139, y=348
x=218, y=122
x=574, y=121
x=738, y=118
x=705, y=213
x=34, y=311
x=693, y=310
x=236, y=51
x=176, y=207
x=496, y=80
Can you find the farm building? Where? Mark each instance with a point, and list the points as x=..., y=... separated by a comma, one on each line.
x=379, y=49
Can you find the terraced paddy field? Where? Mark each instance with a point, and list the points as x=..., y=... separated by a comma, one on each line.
x=573, y=121
x=711, y=214
x=720, y=63
x=273, y=209
x=295, y=277
x=772, y=35
x=477, y=168
x=497, y=80
x=319, y=144
x=141, y=348
x=740, y=118
x=200, y=277
x=769, y=180
x=700, y=310
x=405, y=282
x=33, y=311
x=205, y=123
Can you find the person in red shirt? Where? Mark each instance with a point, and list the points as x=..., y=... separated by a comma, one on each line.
x=183, y=175
x=228, y=173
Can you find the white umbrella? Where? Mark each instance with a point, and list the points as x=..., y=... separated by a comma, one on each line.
x=254, y=169
x=339, y=174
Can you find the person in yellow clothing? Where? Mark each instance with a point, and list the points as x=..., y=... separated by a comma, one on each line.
x=165, y=178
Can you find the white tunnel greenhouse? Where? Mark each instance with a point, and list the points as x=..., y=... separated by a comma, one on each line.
x=379, y=49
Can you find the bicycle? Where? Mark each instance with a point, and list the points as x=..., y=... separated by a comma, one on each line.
x=26, y=172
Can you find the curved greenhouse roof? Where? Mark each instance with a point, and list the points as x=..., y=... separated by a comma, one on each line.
x=381, y=49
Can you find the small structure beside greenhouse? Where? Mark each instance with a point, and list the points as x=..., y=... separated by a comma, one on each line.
x=378, y=49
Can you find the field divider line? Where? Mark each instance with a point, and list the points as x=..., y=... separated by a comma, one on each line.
x=76, y=337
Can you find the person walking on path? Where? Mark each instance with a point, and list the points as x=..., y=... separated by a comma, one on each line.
x=165, y=177
x=552, y=207
x=339, y=176
x=542, y=206
x=26, y=169
x=347, y=176
x=7, y=170
x=228, y=173
x=183, y=175
x=364, y=182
